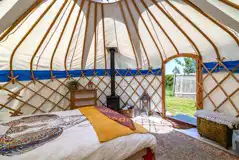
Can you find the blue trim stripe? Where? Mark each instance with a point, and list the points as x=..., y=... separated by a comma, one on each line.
x=231, y=65
x=25, y=75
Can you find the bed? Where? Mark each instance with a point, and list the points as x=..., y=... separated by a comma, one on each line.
x=67, y=135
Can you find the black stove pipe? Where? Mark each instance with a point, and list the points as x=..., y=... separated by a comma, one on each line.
x=113, y=101
x=112, y=69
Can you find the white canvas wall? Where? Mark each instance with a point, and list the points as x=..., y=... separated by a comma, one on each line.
x=218, y=96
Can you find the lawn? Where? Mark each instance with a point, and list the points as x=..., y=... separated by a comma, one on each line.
x=176, y=105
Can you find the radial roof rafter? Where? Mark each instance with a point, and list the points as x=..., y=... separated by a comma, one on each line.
x=95, y=15
x=44, y=37
x=72, y=35
x=25, y=36
x=129, y=34
x=145, y=24
x=228, y=2
x=178, y=26
x=161, y=27
x=20, y=19
x=59, y=40
x=197, y=28
x=138, y=34
x=85, y=37
x=213, y=20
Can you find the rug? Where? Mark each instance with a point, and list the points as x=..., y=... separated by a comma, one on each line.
x=179, y=125
x=173, y=145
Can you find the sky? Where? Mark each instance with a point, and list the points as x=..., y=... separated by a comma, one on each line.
x=171, y=64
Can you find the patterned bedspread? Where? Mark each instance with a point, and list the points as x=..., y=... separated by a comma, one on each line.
x=27, y=133
x=62, y=135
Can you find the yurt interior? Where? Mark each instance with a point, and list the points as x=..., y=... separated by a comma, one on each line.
x=86, y=79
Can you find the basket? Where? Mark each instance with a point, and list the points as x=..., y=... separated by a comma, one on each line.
x=217, y=132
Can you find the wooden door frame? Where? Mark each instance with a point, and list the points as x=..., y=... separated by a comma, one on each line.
x=199, y=82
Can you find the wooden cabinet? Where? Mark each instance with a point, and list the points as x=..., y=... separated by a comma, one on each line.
x=83, y=98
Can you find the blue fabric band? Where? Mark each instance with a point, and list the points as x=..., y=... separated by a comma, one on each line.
x=25, y=75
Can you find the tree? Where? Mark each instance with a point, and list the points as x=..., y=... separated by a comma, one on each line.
x=188, y=64
x=176, y=70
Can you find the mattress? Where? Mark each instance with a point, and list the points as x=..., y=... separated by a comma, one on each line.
x=64, y=135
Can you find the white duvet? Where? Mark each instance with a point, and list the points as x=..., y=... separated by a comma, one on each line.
x=79, y=141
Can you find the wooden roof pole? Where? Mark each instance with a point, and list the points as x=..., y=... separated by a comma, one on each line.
x=137, y=31
x=18, y=26
x=95, y=30
x=177, y=25
x=21, y=18
x=163, y=90
x=43, y=39
x=25, y=36
x=161, y=27
x=53, y=33
x=76, y=43
x=59, y=40
x=212, y=20
x=103, y=28
x=86, y=30
x=72, y=35
x=197, y=28
x=152, y=37
x=129, y=34
x=231, y=4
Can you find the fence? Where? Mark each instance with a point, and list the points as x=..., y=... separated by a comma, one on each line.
x=185, y=86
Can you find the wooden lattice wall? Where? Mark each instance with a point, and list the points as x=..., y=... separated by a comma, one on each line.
x=52, y=95
x=221, y=90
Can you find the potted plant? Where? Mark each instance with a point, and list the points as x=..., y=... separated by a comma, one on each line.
x=73, y=85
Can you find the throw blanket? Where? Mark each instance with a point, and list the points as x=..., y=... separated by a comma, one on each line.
x=106, y=128
x=219, y=118
x=117, y=117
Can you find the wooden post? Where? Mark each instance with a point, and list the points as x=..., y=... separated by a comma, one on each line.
x=163, y=90
x=174, y=84
x=199, y=85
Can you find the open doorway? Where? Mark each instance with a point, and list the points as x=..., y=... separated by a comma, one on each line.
x=181, y=88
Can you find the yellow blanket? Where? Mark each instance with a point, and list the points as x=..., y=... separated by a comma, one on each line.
x=105, y=128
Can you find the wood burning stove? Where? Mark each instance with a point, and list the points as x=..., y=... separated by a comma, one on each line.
x=113, y=101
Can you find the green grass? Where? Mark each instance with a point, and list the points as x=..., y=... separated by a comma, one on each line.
x=176, y=105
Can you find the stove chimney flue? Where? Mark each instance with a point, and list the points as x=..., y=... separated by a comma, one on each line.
x=113, y=101
x=112, y=51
